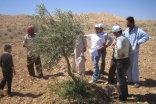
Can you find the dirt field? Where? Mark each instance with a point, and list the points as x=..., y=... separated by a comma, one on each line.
x=27, y=91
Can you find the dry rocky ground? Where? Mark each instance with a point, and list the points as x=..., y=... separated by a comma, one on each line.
x=37, y=91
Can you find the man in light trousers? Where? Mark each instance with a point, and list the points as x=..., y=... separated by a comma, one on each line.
x=136, y=37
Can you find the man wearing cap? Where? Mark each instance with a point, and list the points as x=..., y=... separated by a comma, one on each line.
x=136, y=37
x=103, y=51
x=31, y=60
x=120, y=61
x=97, y=43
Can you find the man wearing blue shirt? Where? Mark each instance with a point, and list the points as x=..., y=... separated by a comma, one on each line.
x=136, y=37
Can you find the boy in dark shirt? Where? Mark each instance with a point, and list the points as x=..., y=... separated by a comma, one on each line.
x=7, y=65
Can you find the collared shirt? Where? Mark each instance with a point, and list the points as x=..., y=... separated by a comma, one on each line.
x=107, y=37
x=97, y=40
x=136, y=37
x=27, y=38
x=6, y=61
x=121, y=47
x=26, y=41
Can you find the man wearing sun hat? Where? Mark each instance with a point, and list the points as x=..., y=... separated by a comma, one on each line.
x=31, y=60
x=120, y=61
x=103, y=51
x=97, y=43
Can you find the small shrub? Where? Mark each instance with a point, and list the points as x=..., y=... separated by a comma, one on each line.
x=81, y=94
x=5, y=34
x=9, y=30
x=20, y=32
x=11, y=37
x=154, y=24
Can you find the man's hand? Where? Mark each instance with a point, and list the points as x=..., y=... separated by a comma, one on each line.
x=105, y=46
x=102, y=47
x=122, y=56
x=25, y=46
x=113, y=44
x=14, y=72
x=82, y=36
x=84, y=49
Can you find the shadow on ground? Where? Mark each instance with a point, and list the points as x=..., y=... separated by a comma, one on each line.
x=148, y=83
x=54, y=75
x=150, y=98
x=89, y=72
x=26, y=95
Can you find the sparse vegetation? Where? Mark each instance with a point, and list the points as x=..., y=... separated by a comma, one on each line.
x=8, y=30
x=70, y=91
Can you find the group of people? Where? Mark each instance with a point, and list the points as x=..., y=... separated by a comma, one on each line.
x=124, y=56
x=6, y=62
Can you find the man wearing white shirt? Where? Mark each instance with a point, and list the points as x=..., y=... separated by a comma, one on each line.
x=97, y=43
x=103, y=51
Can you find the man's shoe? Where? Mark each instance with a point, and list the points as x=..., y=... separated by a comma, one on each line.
x=130, y=83
x=136, y=85
x=9, y=95
x=32, y=77
x=122, y=99
x=92, y=81
x=108, y=83
x=40, y=76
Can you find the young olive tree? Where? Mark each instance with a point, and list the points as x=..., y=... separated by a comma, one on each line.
x=57, y=34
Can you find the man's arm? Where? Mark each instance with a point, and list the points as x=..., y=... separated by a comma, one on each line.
x=25, y=42
x=119, y=48
x=25, y=46
x=143, y=37
x=85, y=36
x=12, y=65
x=0, y=62
x=110, y=40
x=85, y=44
x=103, y=46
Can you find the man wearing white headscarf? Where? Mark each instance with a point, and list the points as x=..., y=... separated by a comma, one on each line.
x=78, y=63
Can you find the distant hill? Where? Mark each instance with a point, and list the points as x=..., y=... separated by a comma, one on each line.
x=14, y=25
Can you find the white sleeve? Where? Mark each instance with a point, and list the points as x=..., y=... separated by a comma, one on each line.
x=88, y=37
x=25, y=40
x=84, y=43
x=119, y=46
x=110, y=40
x=103, y=39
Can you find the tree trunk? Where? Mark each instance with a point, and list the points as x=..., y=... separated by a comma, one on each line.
x=69, y=69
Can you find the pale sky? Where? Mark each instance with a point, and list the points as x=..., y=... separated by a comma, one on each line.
x=140, y=9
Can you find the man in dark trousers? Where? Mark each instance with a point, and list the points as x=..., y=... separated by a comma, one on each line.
x=6, y=62
x=120, y=62
x=103, y=51
x=31, y=60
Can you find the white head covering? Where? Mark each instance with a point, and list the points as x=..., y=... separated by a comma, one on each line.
x=116, y=28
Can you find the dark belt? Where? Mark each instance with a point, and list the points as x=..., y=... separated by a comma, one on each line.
x=122, y=59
